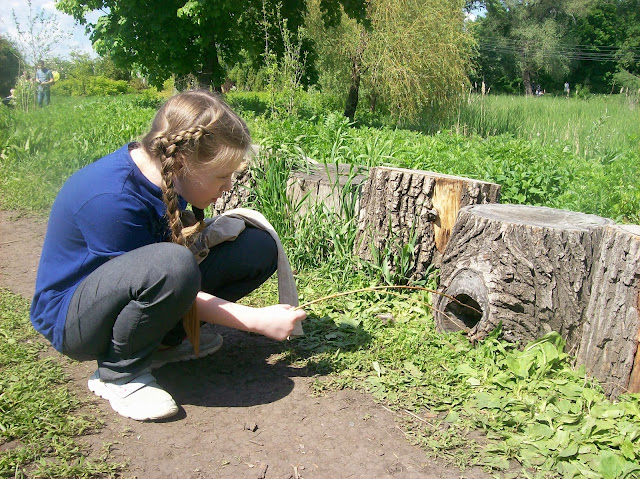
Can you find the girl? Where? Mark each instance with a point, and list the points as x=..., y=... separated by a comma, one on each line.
x=115, y=277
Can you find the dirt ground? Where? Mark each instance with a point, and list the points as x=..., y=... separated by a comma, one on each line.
x=243, y=414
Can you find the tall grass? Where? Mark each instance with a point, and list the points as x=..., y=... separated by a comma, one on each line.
x=589, y=127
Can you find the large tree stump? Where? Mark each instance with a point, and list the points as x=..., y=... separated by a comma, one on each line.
x=611, y=332
x=401, y=207
x=527, y=268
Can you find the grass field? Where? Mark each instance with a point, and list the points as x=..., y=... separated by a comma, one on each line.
x=403, y=363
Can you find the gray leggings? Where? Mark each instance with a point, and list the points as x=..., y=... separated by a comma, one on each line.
x=126, y=308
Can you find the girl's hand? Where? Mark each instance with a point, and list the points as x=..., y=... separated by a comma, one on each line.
x=277, y=322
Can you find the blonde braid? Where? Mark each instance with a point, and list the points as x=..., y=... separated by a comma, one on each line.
x=180, y=234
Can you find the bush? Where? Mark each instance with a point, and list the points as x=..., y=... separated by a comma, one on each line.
x=90, y=86
x=627, y=80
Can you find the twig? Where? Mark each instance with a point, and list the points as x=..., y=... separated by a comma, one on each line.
x=376, y=288
x=457, y=322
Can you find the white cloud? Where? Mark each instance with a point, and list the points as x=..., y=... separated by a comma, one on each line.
x=78, y=40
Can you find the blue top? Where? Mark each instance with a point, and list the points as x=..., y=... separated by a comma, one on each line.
x=103, y=210
x=43, y=76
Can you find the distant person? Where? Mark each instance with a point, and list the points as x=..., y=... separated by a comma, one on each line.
x=8, y=100
x=118, y=280
x=567, y=89
x=44, y=80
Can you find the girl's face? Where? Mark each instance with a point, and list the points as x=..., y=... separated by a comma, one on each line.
x=202, y=185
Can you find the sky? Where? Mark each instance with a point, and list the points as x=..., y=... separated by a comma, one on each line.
x=78, y=41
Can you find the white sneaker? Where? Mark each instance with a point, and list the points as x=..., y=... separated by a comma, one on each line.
x=140, y=399
x=209, y=344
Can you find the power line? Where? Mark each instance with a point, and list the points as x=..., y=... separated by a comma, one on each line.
x=577, y=52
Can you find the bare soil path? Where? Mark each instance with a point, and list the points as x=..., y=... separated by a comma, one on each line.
x=243, y=413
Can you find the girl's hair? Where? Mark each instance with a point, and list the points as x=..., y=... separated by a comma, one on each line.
x=194, y=127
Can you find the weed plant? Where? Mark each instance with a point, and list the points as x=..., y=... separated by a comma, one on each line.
x=540, y=417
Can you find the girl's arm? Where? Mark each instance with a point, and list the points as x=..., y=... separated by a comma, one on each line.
x=276, y=322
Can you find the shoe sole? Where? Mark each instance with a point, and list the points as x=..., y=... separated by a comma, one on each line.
x=98, y=388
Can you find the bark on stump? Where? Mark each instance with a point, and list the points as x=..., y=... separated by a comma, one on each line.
x=238, y=195
x=526, y=267
x=412, y=207
x=609, y=346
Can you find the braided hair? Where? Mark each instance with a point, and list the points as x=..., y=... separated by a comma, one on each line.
x=193, y=128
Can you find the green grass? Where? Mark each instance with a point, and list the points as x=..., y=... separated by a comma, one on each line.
x=539, y=416
x=588, y=127
x=39, y=422
x=537, y=413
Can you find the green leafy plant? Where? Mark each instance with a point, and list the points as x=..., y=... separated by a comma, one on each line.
x=39, y=418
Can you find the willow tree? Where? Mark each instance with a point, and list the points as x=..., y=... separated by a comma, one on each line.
x=412, y=54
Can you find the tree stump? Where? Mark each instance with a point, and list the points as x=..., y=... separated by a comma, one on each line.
x=609, y=346
x=238, y=195
x=525, y=267
x=337, y=186
x=400, y=207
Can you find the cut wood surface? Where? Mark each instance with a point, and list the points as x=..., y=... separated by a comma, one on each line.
x=609, y=346
x=413, y=207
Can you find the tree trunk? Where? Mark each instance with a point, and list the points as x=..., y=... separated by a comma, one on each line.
x=212, y=74
x=526, y=81
x=354, y=90
x=400, y=207
x=609, y=347
x=527, y=268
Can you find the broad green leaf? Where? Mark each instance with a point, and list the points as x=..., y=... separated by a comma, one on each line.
x=611, y=465
x=570, y=450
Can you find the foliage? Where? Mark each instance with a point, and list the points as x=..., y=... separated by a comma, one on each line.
x=533, y=406
x=414, y=56
x=10, y=62
x=214, y=33
x=284, y=76
x=25, y=95
x=39, y=420
x=90, y=86
x=627, y=80
x=583, y=41
x=530, y=36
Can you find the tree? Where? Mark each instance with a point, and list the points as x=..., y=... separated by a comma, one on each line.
x=534, y=34
x=10, y=62
x=609, y=39
x=413, y=53
x=188, y=37
x=39, y=36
